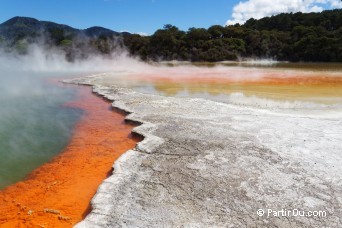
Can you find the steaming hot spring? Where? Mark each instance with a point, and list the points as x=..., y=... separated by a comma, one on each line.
x=175, y=143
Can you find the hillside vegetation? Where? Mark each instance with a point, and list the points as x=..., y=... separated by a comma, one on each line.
x=290, y=37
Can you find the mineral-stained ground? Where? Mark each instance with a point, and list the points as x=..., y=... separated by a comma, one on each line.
x=204, y=164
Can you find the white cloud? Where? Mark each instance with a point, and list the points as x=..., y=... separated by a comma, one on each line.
x=139, y=33
x=261, y=8
x=142, y=33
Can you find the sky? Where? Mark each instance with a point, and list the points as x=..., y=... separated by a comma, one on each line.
x=146, y=16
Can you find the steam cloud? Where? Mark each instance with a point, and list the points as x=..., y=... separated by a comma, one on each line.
x=39, y=59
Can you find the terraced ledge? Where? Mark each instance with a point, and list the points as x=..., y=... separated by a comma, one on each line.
x=205, y=164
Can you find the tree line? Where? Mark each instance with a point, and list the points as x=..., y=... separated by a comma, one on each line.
x=287, y=37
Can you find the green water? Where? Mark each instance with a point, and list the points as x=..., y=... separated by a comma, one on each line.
x=34, y=125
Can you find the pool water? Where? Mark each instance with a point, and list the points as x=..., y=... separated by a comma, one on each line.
x=35, y=125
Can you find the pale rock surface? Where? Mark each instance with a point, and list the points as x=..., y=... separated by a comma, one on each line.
x=210, y=164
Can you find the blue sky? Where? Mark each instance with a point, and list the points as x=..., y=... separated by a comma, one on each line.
x=145, y=16
x=131, y=15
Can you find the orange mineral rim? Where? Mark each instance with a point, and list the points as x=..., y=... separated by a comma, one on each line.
x=58, y=193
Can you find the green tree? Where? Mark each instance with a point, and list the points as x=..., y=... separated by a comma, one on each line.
x=216, y=31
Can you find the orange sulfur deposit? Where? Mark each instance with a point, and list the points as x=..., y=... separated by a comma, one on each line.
x=58, y=193
x=273, y=85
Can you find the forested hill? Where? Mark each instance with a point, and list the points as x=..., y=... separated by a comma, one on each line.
x=291, y=37
x=18, y=33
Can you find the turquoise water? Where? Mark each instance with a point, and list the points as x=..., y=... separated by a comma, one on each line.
x=34, y=124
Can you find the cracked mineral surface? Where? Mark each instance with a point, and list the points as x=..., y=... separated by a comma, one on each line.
x=209, y=164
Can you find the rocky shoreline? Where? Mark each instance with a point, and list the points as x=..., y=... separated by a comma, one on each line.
x=204, y=163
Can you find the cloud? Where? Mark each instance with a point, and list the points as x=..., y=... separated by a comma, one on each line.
x=142, y=33
x=261, y=8
x=139, y=33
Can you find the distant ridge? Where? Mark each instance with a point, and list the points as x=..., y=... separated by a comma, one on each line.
x=19, y=27
x=97, y=31
x=20, y=20
x=19, y=33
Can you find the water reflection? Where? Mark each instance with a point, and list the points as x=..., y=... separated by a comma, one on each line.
x=310, y=82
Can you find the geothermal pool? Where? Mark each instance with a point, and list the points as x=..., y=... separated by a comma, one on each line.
x=293, y=109
x=35, y=126
x=58, y=192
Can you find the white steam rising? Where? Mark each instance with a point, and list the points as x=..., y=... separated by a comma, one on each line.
x=39, y=59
